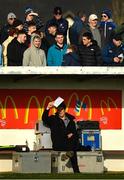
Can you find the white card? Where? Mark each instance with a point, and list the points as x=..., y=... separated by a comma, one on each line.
x=58, y=101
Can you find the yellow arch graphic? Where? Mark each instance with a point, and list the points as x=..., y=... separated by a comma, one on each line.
x=14, y=105
x=90, y=106
x=2, y=110
x=40, y=108
x=28, y=106
x=83, y=99
x=44, y=102
x=109, y=99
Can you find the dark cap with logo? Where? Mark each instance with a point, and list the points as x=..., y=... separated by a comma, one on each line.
x=57, y=10
x=61, y=106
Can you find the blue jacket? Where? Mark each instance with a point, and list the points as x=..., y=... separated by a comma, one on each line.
x=55, y=55
x=111, y=51
x=75, y=30
x=107, y=31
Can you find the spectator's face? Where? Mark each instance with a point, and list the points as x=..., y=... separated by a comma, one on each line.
x=59, y=39
x=29, y=17
x=52, y=30
x=117, y=42
x=93, y=22
x=20, y=27
x=86, y=41
x=104, y=17
x=22, y=38
x=83, y=18
x=31, y=29
x=11, y=21
x=37, y=42
x=58, y=16
x=61, y=113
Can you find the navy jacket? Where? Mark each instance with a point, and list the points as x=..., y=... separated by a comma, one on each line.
x=111, y=51
x=107, y=30
x=71, y=59
x=75, y=30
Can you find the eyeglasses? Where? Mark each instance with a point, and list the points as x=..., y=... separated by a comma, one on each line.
x=11, y=19
x=58, y=13
x=104, y=16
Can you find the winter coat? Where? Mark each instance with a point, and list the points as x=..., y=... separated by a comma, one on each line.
x=75, y=30
x=91, y=55
x=15, y=52
x=111, y=51
x=59, y=131
x=34, y=56
x=71, y=59
x=107, y=30
x=55, y=55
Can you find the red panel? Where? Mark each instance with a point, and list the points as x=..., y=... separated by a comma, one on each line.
x=20, y=109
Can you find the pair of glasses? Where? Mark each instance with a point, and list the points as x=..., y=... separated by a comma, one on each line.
x=104, y=16
x=57, y=13
x=11, y=18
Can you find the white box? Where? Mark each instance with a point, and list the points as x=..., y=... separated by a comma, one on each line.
x=32, y=162
x=88, y=162
x=43, y=141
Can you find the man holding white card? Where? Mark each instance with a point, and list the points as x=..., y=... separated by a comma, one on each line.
x=63, y=130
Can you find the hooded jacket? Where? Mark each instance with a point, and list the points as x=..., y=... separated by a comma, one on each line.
x=34, y=56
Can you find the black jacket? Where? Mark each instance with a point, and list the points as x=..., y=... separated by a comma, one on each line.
x=91, y=55
x=59, y=132
x=15, y=52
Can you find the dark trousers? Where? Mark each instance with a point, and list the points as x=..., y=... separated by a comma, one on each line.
x=74, y=162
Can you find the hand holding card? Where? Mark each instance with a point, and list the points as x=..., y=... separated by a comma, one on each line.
x=58, y=101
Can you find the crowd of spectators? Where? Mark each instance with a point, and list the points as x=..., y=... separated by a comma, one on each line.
x=93, y=40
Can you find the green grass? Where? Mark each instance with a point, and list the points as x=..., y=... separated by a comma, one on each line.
x=62, y=176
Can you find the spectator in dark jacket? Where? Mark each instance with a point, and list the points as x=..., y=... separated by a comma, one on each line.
x=76, y=29
x=107, y=27
x=5, y=29
x=16, y=49
x=50, y=36
x=62, y=24
x=113, y=54
x=63, y=131
x=89, y=51
x=71, y=57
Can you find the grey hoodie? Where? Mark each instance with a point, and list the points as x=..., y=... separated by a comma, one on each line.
x=34, y=56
